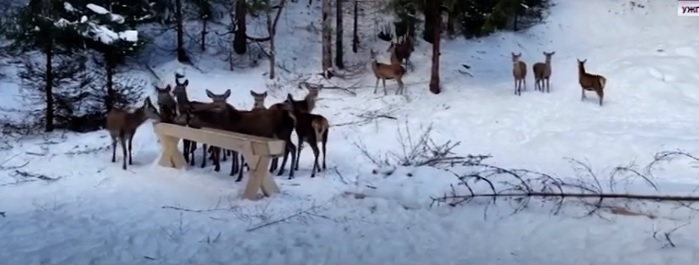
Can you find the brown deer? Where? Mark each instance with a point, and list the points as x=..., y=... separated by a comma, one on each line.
x=519, y=72
x=590, y=82
x=259, y=100
x=217, y=99
x=383, y=72
x=122, y=126
x=403, y=50
x=542, y=71
x=272, y=123
x=166, y=104
x=183, y=102
x=310, y=128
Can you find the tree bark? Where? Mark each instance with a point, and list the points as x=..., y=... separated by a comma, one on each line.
x=47, y=11
x=109, y=66
x=355, y=35
x=436, y=39
x=203, y=34
x=240, y=35
x=430, y=19
x=181, y=52
x=48, y=89
x=327, y=37
x=339, y=62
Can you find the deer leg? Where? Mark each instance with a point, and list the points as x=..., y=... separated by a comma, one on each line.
x=192, y=148
x=224, y=154
x=240, y=171
x=217, y=159
x=234, y=162
x=185, y=149
x=130, y=152
x=204, y=148
x=376, y=87
x=515, y=86
x=114, y=143
x=582, y=97
x=289, y=148
x=316, y=152
x=325, y=142
x=548, y=85
x=385, y=93
x=122, y=139
x=600, y=94
x=298, y=152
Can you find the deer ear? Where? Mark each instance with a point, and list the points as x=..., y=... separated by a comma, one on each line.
x=168, y=88
x=186, y=82
x=209, y=94
x=227, y=93
x=264, y=94
x=553, y=52
x=252, y=93
x=289, y=97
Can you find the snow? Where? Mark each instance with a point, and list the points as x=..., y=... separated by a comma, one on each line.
x=97, y=9
x=97, y=213
x=69, y=7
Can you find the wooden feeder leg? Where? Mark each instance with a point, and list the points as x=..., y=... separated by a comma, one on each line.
x=254, y=181
x=171, y=156
x=269, y=187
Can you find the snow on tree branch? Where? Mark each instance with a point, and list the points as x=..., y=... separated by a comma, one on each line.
x=99, y=25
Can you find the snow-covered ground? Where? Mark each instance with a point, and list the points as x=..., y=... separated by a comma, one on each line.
x=96, y=213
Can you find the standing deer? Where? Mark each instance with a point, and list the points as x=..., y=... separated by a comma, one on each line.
x=542, y=71
x=312, y=129
x=590, y=82
x=519, y=72
x=183, y=102
x=385, y=72
x=122, y=126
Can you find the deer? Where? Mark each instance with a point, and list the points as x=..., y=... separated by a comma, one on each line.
x=383, y=72
x=122, y=126
x=312, y=129
x=519, y=72
x=542, y=71
x=591, y=82
x=166, y=104
x=403, y=50
x=217, y=99
x=183, y=102
x=271, y=123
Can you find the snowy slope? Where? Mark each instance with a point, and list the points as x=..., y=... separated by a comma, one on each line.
x=98, y=214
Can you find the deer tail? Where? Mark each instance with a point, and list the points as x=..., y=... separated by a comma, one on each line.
x=602, y=81
x=319, y=126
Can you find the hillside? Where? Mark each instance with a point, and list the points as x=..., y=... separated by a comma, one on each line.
x=96, y=213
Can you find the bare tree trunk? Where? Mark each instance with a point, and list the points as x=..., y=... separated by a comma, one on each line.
x=47, y=10
x=181, y=52
x=109, y=66
x=450, y=24
x=204, y=23
x=338, y=35
x=327, y=37
x=436, y=39
x=355, y=35
x=240, y=34
x=272, y=30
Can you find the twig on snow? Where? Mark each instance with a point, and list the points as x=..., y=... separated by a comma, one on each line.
x=281, y=220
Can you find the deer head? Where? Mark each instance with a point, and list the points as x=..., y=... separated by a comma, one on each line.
x=516, y=57
x=259, y=99
x=219, y=99
x=548, y=56
x=180, y=87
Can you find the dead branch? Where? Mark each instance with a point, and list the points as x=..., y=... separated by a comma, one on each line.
x=284, y=219
x=196, y=210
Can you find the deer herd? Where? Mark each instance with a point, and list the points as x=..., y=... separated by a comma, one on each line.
x=278, y=122
x=281, y=119
x=542, y=75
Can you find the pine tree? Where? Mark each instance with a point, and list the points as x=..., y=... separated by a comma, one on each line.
x=108, y=33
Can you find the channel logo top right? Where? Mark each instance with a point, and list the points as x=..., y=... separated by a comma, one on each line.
x=688, y=8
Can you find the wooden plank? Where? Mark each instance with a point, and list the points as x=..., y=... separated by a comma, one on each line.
x=228, y=140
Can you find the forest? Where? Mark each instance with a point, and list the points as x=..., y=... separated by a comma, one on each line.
x=74, y=56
